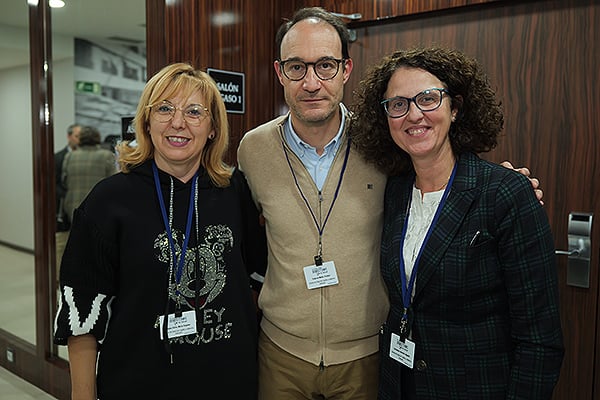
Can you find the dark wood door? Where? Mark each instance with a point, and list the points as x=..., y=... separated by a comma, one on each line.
x=543, y=57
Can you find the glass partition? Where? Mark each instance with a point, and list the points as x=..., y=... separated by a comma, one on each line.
x=17, y=263
x=98, y=67
x=99, y=70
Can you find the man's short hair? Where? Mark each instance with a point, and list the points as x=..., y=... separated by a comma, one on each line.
x=71, y=128
x=320, y=14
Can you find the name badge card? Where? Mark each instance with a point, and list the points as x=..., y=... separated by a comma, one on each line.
x=318, y=276
x=402, y=351
x=182, y=325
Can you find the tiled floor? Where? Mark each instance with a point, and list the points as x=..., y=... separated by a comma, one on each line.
x=14, y=388
x=17, y=316
x=17, y=296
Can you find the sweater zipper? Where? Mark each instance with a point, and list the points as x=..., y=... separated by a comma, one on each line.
x=320, y=198
x=322, y=364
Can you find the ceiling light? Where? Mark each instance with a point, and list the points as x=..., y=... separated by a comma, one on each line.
x=224, y=19
x=57, y=3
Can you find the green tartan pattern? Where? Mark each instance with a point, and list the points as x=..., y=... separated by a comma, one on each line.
x=484, y=317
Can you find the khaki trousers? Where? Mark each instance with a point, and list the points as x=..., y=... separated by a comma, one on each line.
x=283, y=376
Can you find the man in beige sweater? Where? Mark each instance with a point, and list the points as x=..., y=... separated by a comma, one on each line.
x=323, y=299
x=321, y=318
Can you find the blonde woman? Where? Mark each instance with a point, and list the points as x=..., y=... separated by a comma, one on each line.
x=155, y=277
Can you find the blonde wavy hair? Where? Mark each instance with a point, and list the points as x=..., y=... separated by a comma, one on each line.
x=181, y=79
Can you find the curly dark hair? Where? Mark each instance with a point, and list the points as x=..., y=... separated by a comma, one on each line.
x=479, y=120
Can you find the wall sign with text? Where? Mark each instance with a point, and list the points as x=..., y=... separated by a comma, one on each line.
x=231, y=86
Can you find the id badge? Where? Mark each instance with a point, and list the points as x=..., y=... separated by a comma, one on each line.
x=182, y=325
x=318, y=276
x=402, y=351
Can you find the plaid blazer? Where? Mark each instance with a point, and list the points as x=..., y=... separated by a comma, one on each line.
x=82, y=169
x=484, y=317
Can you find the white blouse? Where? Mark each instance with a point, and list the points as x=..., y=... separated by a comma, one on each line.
x=422, y=211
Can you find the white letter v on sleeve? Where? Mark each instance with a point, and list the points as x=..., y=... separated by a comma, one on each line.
x=77, y=327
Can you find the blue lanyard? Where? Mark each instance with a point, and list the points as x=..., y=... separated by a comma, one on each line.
x=178, y=262
x=407, y=289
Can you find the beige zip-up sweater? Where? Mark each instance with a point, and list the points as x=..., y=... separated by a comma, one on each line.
x=334, y=324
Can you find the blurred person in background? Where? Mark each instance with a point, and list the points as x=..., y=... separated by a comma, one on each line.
x=62, y=222
x=81, y=170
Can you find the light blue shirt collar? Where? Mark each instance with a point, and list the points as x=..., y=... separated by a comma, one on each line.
x=317, y=165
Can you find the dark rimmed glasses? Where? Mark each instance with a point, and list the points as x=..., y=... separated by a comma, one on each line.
x=325, y=68
x=164, y=111
x=427, y=100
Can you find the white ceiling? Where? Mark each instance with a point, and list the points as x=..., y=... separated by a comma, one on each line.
x=123, y=20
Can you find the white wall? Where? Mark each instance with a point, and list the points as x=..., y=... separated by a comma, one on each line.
x=14, y=46
x=63, y=68
x=16, y=167
x=64, y=100
x=16, y=153
x=16, y=160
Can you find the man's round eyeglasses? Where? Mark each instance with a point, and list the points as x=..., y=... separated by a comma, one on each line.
x=165, y=111
x=325, y=68
x=427, y=100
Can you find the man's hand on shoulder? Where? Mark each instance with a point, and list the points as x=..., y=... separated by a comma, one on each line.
x=534, y=181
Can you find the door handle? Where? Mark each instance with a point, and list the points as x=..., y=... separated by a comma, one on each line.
x=573, y=252
x=579, y=250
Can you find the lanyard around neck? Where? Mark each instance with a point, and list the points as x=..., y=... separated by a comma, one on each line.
x=177, y=263
x=407, y=287
x=320, y=227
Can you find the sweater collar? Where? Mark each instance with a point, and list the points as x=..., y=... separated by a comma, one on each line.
x=145, y=170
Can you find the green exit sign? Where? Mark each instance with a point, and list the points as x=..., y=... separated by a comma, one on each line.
x=89, y=87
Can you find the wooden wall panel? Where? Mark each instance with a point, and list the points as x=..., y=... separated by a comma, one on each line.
x=189, y=30
x=543, y=57
x=540, y=56
x=156, y=36
x=184, y=30
x=378, y=10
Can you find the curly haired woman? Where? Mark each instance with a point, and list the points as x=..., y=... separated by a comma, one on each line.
x=467, y=254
